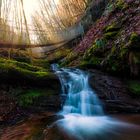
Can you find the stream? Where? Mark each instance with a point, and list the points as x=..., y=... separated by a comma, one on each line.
x=82, y=116
x=83, y=113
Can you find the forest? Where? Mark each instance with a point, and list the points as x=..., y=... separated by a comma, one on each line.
x=69, y=70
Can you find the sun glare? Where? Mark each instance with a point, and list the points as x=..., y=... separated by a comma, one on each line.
x=31, y=7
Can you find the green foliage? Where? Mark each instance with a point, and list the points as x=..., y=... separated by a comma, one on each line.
x=134, y=87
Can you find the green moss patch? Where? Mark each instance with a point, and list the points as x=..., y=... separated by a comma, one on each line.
x=33, y=97
x=120, y=4
x=41, y=63
x=20, y=65
x=134, y=41
x=111, y=28
x=18, y=72
x=134, y=87
x=27, y=98
x=110, y=35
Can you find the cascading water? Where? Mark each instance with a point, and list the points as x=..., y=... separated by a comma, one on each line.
x=80, y=97
x=84, y=118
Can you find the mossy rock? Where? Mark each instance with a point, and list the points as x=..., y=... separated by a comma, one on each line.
x=13, y=72
x=22, y=65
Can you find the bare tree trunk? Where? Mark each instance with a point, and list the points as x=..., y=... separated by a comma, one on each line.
x=26, y=25
x=25, y=20
x=0, y=9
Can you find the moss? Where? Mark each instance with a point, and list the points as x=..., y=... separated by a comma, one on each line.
x=71, y=56
x=121, y=4
x=111, y=28
x=16, y=54
x=88, y=54
x=133, y=43
x=123, y=52
x=93, y=61
x=27, y=98
x=113, y=65
x=17, y=72
x=135, y=38
x=110, y=7
x=98, y=46
x=136, y=57
x=20, y=65
x=134, y=87
x=41, y=63
x=115, y=61
x=110, y=35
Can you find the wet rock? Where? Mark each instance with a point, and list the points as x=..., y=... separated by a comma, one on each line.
x=114, y=93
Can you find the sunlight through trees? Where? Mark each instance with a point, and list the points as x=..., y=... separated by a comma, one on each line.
x=41, y=22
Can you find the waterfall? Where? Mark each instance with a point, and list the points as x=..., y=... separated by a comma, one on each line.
x=84, y=118
x=81, y=99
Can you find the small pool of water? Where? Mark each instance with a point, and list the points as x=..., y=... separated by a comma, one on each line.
x=47, y=127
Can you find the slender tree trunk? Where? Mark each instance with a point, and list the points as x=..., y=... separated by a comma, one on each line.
x=0, y=9
x=26, y=25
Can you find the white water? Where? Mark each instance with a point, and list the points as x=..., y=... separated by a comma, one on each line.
x=84, y=118
x=81, y=99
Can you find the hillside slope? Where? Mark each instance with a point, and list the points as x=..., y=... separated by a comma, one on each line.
x=113, y=42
